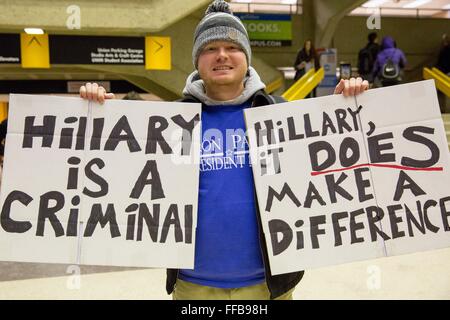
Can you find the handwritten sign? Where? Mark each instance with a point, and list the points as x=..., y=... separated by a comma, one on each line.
x=100, y=185
x=344, y=179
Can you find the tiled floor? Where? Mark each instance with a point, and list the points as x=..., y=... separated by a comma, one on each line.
x=422, y=275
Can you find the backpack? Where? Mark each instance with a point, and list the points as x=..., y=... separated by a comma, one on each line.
x=365, y=61
x=390, y=70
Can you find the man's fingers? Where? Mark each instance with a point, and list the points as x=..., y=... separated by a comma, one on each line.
x=83, y=92
x=340, y=87
x=101, y=95
x=361, y=85
x=346, y=88
x=89, y=91
x=364, y=86
x=352, y=86
x=95, y=92
x=358, y=84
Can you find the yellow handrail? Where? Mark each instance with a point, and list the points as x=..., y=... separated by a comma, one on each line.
x=440, y=73
x=297, y=85
x=442, y=84
x=304, y=85
x=274, y=85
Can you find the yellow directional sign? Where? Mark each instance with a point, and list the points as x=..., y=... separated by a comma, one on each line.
x=3, y=111
x=34, y=50
x=158, y=53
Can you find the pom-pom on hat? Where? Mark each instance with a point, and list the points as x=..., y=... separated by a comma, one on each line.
x=219, y=24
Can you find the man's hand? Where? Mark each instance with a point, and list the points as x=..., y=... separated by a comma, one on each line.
x=94, y=92
x=351, y=87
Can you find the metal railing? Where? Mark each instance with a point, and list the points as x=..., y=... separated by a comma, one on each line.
x=403, y=12
x=297, y=8
x=441, y=80
x=258, y=7
x=303, y=86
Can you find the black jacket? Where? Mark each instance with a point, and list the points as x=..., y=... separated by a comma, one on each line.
x=302, y=56
x=278, y=284
x=443, y=63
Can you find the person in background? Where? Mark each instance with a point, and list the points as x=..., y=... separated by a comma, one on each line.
x=443, y=62
x=389, y=65
x=367, y=57
x=306, y=59
x=3, y=131
x=231, y=259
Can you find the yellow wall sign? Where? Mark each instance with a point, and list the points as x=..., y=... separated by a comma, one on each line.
x=158, y=53
x=3, y=111
x=34, y=50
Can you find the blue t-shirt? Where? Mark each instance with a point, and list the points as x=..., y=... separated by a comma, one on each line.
x=227, y=252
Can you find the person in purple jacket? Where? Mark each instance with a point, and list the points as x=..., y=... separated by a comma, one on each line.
x=389, y=64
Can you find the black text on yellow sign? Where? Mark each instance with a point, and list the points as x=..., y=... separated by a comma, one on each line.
x=34, y=50
x=158, y=53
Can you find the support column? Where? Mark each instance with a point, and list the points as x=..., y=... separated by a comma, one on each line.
x=328, y=14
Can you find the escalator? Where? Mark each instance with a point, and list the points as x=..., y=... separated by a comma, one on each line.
x=303, y=86
x=441, y=80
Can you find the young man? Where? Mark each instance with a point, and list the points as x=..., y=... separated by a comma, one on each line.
x=231, y=259
x=367, y=57
x=3, y=131
x=389, y=59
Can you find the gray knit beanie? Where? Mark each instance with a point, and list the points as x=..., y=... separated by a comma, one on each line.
x=219, y=24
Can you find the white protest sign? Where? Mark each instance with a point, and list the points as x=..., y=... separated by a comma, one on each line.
x=100, y=185
x=345, y=179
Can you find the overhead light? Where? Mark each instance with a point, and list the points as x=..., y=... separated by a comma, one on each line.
x=416, y=4
x=374, y=3
x=34, y=31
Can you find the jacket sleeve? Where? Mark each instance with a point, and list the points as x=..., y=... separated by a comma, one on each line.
x=376, y=67
x=316, y=62
x=297, y=59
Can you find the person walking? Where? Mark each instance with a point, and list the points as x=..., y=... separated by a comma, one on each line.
x=367, y=57
x=389, y=65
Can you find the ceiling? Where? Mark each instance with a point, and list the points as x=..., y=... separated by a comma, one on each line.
x=406, y=8
x=433, y=4
x=429, y=8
